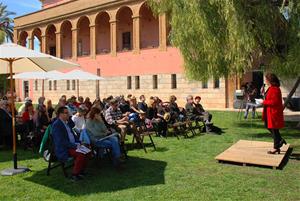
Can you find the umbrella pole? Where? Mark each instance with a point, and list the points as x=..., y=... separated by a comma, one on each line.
x=16, y=169
x=43, y=87
x=13, y=115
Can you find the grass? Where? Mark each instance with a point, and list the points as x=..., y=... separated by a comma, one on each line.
x=182, y=169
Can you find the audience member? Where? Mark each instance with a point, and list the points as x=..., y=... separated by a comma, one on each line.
x=79, y=119
x=142, y=104
x=97, y=131
x=65, y=144
x=50, y=109
x=156, y=120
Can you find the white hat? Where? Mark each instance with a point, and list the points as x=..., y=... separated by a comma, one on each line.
x=27, y=99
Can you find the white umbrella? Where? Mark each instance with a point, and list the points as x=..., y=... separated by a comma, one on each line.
x=21, y=59
x=52, y=75
x=81, y=75
x=29, y=76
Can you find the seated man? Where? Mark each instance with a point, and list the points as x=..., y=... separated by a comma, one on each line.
x=194, y=114
x=200, y=110
x=116, y=119
x=176, y=114
x=65, y=144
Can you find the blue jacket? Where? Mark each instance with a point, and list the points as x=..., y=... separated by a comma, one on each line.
x=61, y=141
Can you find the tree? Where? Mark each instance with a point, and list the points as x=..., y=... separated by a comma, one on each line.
x=6, y=27
x=219, y=38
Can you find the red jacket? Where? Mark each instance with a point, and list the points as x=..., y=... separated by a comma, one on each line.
x=273, y=108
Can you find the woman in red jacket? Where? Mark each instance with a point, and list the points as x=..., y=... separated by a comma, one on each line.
x=273, y=111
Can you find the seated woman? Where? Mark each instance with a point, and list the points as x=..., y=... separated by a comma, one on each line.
x=136, y=116
x=50, y=109
x=27, y=117
x=5, y=124
x=97, y=130
x=156, y=118
x=41, y=120
x=176, y=114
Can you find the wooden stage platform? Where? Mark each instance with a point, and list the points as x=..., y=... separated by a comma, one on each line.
x=253, y=153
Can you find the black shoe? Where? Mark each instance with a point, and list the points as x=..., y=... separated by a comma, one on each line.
x=76, y=178
x=282, y=141
x=274, y=151
x=82, y=175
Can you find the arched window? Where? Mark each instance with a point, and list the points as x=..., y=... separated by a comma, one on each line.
x=83, y=37
x=124, y=29
x=103, y=33
x=51, y=40
x=66, y=31
x=149, y=28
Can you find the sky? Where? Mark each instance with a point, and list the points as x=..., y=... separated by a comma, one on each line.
x=22, y=7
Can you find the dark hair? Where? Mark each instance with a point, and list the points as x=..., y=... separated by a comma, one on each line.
x=142, y=96
x=113, y=101
x=61, y=110
x=27, y=105
x=93, y=112
x=273, y=79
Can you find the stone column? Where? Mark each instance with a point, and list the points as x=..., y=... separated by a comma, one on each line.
x=163, y=32
x=113, y=38
x=16, y=36
x=31, y=42
x=43, y=43
x=74, y=43
x=93, y=44
x=58, y=44
x=136, y=34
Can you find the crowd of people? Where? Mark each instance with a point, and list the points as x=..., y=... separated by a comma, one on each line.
x=105, y=123
x=80, y=121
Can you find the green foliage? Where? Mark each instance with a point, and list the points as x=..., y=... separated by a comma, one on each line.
x=289, y=64
x=6, y=28
x=222, y=37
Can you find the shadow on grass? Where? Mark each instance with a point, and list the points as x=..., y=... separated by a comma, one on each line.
x=286, y=158
x=138, y=172
x=295, y=157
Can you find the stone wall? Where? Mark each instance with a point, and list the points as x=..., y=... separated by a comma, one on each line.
x=211, y=98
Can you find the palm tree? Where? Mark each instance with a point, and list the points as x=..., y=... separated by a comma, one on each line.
x=6, y=27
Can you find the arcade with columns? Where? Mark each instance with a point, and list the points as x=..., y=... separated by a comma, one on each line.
x=121, y=40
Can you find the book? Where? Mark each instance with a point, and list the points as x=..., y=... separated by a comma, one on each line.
x=83, y=149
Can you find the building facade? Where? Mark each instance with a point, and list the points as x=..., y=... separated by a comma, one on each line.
x=121, y=40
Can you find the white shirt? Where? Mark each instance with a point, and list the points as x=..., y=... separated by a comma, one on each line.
x=79, y=122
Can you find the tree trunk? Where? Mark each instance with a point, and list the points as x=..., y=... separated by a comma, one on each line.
x=288, y=98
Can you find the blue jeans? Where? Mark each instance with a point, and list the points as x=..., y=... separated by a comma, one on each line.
x=111, y=143
x=249, y=106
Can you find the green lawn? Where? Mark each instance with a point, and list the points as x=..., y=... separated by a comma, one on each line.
x=182, y=169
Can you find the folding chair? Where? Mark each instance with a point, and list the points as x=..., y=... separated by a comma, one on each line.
x=49, y=156
x=139, y=137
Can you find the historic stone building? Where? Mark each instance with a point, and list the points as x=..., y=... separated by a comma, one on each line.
x=122, y=41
